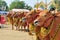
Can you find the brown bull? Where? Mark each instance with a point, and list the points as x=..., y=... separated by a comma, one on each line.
x=10, y=17
x=15, y=18
x=20, y=22
x=23, y=24
x=18, y=16
x=30, y=18
x=55, y=30
x=46, y=27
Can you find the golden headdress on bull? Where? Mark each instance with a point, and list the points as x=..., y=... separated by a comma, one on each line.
x=32, y=11
x=36, y=10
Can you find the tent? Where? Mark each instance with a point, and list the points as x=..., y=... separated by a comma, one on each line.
x=20, y=10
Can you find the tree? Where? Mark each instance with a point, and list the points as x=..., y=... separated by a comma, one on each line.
x=51, y=6
x=28, y=7
x=3, y=5
x=19, y=5
x=58, y=3
x=41, y=6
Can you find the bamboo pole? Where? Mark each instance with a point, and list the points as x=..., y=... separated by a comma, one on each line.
x=46, y=5
x=37, y=4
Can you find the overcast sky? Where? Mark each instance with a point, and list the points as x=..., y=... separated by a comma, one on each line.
x=29, y=2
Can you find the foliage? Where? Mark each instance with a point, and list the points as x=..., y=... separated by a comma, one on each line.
x=57, y=2
x=3, y=4
x=28, y=7
x=19, y=5
x=40, y=5
x=51, y=6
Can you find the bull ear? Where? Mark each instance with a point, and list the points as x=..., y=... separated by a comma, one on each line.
x=48, y=22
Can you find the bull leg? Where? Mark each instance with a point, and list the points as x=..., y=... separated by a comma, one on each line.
x=30, y=33
x=15, y=26
x=0, y=26
x=12, y=24
x=12, y=27
x=37, y=38
x=27, y=27
x=30, y=29
x=24, y=28
x=21, y=27
x=18, y=28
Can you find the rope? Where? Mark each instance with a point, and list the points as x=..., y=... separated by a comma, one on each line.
x=56, y=33
x=50, y=27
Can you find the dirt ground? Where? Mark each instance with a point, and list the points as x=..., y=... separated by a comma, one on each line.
x=7, y=34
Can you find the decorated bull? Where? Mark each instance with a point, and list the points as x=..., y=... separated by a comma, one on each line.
x=47, y=26
x=15, y=17
x=10, y=18
x=23, y=22
x=20, y=14
x=29, y=18
x=18, y=20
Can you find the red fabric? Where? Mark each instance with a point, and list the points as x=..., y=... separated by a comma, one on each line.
x=2, y=20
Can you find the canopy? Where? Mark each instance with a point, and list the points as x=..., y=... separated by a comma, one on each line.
x=3, y=12
x=20, y=10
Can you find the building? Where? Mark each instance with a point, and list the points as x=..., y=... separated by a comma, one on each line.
x=2, y=8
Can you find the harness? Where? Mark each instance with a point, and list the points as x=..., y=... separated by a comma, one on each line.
x=45, y=31
x=48, y=30
x=56, y=32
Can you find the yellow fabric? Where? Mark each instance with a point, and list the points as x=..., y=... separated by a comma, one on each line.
x=43, y=32
x=46, y=11
x=8, y=20
x=15, y=21
x=31, y=28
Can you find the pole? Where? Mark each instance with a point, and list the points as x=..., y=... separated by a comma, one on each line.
x=46, y=5
x=37, y=4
